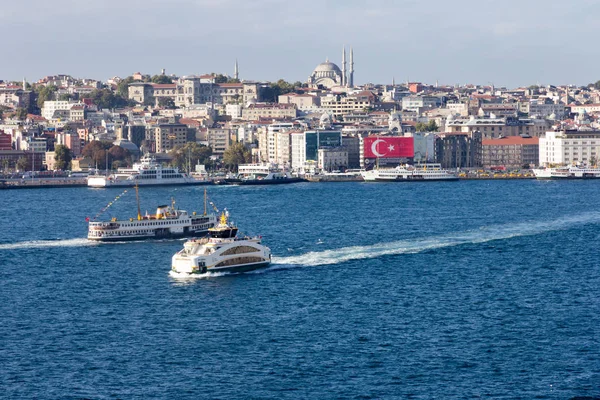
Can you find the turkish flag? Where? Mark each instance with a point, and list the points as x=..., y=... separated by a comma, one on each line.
x=388, y=147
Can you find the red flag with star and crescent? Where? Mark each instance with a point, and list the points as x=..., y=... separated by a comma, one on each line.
x=388, y=147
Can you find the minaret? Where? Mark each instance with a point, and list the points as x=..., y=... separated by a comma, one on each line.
x=351, y=67
x=24, y=84
x=236, y=71
x=344, y=76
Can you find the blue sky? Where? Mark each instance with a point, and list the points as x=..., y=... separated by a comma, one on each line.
x=508, y=43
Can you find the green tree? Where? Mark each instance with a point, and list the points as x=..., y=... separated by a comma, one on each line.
x=431, y=126
x=233, y=80
x=235, y=155
x=220, y=78
x=105, y=98
x=161, y=79
x=190, y=154
x=46, y=93
x=120, y=157
x=123, y=87
x=166, y=102
x=23, y=164
x=21, y=114
x=65, y=97
x=62, y=157
x=274, y=90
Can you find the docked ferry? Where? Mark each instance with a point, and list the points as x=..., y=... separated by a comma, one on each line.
x=264, y=174
x=221, y=251
x=168, y=222
x=145, y=173
x=409, y=173
x=567, y=172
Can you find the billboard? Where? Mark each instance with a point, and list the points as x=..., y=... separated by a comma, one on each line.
x=388, y=147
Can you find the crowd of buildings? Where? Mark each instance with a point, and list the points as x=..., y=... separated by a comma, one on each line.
x=322, y=124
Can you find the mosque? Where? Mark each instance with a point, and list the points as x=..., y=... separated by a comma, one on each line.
x=328, y=74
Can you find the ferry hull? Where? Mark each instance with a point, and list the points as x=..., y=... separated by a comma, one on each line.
x=169, y=235
x=229, y=269
x=413, y=179
x=270, y=181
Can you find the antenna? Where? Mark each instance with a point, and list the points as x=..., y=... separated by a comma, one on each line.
x=137, y=198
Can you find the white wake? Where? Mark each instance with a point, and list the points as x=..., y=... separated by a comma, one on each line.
x=37, y=244
x=482, y=235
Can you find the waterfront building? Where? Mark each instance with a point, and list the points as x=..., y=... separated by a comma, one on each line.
x=332, y=158
x=569, y=147
x=459, y=149
x=9, y=159
x=512, y=152
x=305, y=145
x=5, y=141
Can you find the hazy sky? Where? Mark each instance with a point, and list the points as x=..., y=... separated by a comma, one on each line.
x=508, y=42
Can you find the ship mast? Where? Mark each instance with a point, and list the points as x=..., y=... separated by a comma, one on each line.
x=137, y=198
x=205, y=202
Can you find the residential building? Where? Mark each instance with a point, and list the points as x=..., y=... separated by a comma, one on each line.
x=219, y=139
x=492, y=128
x=339, y=105
x=167, y=136
x=56, y=105
x=268, y=110
x=512, y=152
x=414, y=103
x=459, y=150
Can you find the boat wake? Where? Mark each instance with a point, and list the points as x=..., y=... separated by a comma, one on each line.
x=38, y=244
x=417, y=245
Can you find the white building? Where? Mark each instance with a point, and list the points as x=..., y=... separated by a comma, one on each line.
x=51, y=106
x=424, y=145
x=414, y=103
x=569, y=147
x=332, y=159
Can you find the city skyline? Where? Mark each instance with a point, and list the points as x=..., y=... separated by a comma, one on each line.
x=464, y=42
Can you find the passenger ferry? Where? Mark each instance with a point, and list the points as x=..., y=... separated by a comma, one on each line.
x=567, y=172
x=221, y=251
x=168, y=222
x=264, y=174
x=409, y=173
x=145, y=173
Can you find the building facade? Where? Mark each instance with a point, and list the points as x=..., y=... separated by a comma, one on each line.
x=513, y=152
x=569, y=147
x=459, y=150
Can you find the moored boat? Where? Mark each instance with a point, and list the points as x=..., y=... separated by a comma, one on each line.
x=409, y=173
x=147, y=172
x=221, y=251
x=567, y=172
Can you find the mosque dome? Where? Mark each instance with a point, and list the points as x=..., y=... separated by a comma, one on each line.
x=328, y=66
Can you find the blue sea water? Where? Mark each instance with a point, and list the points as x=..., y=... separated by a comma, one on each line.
x=470, y=289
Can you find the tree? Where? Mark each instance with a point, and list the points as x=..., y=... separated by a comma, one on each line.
x=431, y=126
x=62, y=157
x=274, y=90
x=235, y=155
x=23, y=164
x=105, y=98
x=161, y=79
x=190, y=154
x=597, y=85
x=123, y=87
x=65, y=97
x=97, y=150
x=166, y=102
x=46, y=93
x=220, y=78
x=21, y=114
x=120, y=157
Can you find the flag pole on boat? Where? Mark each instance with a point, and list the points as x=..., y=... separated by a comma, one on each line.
x=137, y=198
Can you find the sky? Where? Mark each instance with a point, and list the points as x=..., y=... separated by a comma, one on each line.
x=506, y=43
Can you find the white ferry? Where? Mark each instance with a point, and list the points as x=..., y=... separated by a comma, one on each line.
x=567, y=172
x=168, y=222
x=145, y=173
x=221, y=251
x=409, y=173
x=264, y=174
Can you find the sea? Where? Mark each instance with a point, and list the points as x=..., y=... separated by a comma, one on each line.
x=432, y=290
